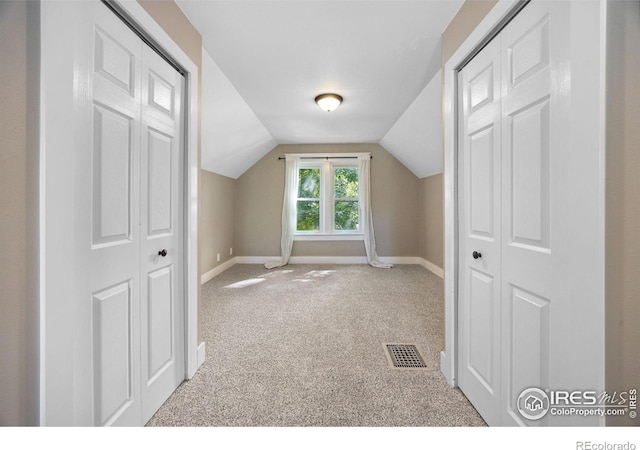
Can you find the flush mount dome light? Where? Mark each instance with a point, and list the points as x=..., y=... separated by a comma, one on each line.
x=328, y=102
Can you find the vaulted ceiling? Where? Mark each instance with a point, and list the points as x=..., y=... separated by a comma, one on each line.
x=265, y=61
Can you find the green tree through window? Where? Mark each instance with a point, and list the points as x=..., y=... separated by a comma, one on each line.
x=346, y=206
x=308, y=206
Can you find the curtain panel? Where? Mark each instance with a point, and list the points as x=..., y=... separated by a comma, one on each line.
x=364, y=174
x=288, y=212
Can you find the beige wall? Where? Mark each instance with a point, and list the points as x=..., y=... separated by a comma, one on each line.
x=19, y=72
x=217, y=215
x=431, y=220
x=622, y=205
x=463, y=23
x=173, y=21
x=394, y=194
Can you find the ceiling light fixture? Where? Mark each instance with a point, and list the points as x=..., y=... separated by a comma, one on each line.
x=328, y=102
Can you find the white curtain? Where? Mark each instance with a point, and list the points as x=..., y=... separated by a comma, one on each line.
x=288, y=212
x=365, y=211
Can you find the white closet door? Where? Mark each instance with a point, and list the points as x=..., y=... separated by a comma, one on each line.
x=128, y=334
x=162, y=301
x=515, y=209
x=536, y=211
x=480, y=232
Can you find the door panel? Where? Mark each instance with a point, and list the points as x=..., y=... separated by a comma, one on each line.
x=114, y=354
x=162, y=224
x=113, y=58
x=160, y=303
x=536, y=121
x=160, y=182
x=529, y=53
x=527, y=340
x=113, y=148
x=482, y=340
x=529, y=175
x=114, y=61
x=481, y=89
x=482, y=146
x=161, y=94
x=479, y=231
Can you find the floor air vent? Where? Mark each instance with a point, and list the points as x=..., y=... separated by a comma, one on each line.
x=404, y=356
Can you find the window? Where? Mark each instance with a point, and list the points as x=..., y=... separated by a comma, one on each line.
x=328, y=202
x=345, y=199
x=308, y=205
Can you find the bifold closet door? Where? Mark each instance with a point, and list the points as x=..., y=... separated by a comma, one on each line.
x=129, y=188
x=513, y=122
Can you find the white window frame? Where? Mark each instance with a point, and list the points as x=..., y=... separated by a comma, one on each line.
x=327, y=232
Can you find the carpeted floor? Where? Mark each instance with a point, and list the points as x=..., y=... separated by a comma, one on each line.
x=302, y=346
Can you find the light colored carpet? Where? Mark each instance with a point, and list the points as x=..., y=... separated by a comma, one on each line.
x=302, y=346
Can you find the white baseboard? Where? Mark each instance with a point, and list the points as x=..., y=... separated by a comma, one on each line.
x=445, y=368
x=304, y=259
x=399, y=259
x=253, y=259
x=217, y=270
x=431, y=267
x=201, y=353
x=329, y=259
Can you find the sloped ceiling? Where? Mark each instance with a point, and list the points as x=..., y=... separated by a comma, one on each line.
x=233, y=138
x=416, y=138
x=278, y=55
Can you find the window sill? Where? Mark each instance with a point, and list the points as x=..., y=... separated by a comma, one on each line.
x=328, y=237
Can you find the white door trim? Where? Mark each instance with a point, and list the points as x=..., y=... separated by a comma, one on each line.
x=588, y=126
x=54, y=135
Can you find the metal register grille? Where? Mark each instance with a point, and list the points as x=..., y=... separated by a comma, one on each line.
x=404, y=356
